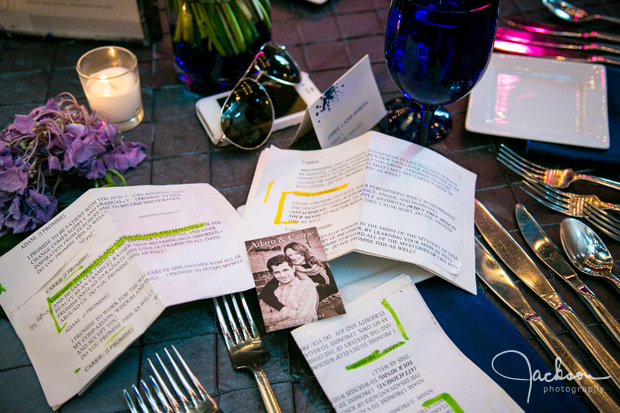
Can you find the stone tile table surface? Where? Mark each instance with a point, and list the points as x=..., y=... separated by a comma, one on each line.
x=326, y=41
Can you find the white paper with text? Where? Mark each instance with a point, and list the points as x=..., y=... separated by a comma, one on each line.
x=92, y=280
x=375, y=194
x=389, y=354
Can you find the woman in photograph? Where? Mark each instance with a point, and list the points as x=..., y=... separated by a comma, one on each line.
x=308, y=267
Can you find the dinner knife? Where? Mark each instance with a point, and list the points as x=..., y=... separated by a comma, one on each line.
x=546, y=250
x=558, y=54
x=522, y=265
x=493, y=275
x=552, y=30
x=525, y=37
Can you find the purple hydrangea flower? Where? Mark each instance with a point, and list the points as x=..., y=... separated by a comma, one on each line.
x=37, y=150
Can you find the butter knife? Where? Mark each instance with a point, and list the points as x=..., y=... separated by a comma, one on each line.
x=522, y=265
x=551, y=30
x=493, y=275
x=546, y=250
x=529, y=38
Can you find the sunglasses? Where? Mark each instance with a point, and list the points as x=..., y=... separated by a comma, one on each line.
x=247, y=116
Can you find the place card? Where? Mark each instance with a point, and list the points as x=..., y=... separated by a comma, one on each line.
x=348, y=108
x=389, y=353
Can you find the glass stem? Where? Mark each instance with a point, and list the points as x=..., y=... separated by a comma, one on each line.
x=425, y=124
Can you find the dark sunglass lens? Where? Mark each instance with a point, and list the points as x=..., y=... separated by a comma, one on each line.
x=276, y=63
x=247, y=115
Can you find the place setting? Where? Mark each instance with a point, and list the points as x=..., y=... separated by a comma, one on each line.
x=431, y=229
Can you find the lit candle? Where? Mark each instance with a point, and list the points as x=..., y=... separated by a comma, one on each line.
x=109, y=76
x=114, y=91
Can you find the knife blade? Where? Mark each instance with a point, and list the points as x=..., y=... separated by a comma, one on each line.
x=552, y=30
x=525, y=37
x=548, y=253
x=558, y=54
x=522, y=265
x=492, y=274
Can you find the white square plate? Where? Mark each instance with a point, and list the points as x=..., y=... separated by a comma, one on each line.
x=541, y=100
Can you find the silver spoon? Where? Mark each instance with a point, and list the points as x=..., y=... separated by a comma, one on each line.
x=586, y=250
x=570, y=13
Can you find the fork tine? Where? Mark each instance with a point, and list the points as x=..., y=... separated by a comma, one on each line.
x=132, y=406
x=201, y=390
x=520, y=165
x=255, y=332
x=160, y=394
x=521, y=160
x=606, y=216
x=604, y=229
x=173, y=382
x=231, y=319
x=162, y=385
x=604, y=221
x=190, y=391
x=550, y=193
x=240, y=318
x=149, y=396
x=223, y=324
x=544, y=198
x=518, y=169
x=550, y=204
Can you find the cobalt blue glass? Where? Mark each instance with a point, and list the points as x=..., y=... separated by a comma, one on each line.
x=436, y=52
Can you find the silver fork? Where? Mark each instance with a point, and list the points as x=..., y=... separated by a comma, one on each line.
x=569, y=203
x=557, y=178
x=245, y=346
x=194, y=400
x=578, y=208
x=604, y=221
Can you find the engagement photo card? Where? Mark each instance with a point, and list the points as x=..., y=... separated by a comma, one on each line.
x=294, y=281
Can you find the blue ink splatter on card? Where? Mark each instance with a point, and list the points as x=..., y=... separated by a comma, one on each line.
x=330, y=96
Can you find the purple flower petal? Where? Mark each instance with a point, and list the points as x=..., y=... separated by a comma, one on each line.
x=18, y=225
x=53, y=164
x=42, y=206
x=81, y=151
x=76, y=129
x=128, y=155
x=14, y=210
x=95, y=170
x=24, y=124
x=13, y=180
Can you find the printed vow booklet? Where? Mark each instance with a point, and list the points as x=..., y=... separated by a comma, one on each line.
x=389, y=354
x=93, y=279
x=376, y=195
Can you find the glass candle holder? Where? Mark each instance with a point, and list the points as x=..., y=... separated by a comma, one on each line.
x=109, y=76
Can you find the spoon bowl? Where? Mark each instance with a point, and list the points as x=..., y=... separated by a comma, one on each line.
x=586, y=250
x=574, y=14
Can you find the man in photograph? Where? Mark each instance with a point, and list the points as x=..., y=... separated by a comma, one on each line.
x=299, y=298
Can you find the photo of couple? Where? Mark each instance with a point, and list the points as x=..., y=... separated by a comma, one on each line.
x=293, y=279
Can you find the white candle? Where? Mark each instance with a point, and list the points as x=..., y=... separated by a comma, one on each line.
x=117, y=96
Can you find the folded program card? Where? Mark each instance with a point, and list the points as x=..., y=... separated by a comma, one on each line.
x=389, y=354
x=93, y=279
x=374, y=194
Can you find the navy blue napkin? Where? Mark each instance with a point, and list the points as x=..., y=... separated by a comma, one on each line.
x=604, y=159
x=482, y=332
